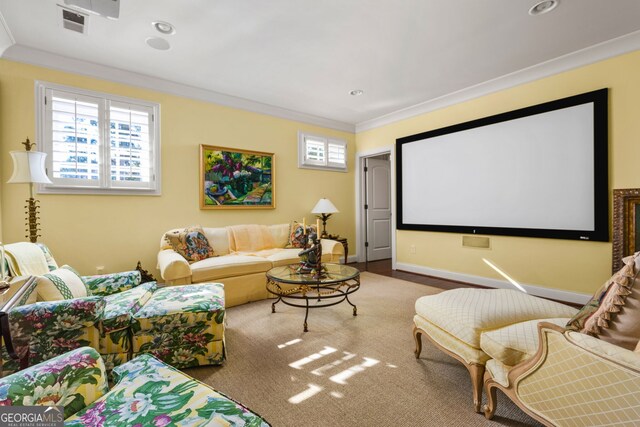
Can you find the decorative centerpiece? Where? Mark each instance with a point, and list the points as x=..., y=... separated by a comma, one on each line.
x=311, y=255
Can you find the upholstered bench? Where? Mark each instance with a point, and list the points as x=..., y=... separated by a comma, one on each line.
x=182, y=325
x=454, y=321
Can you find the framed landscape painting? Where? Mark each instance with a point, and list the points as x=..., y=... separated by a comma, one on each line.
x=236, y=179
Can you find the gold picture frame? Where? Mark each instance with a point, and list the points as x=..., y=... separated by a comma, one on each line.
x=236, y=179
x=626, y=215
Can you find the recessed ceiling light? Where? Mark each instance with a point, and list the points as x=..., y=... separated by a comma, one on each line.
x=164, y=27
x=543, y=7
x=356, y=92
x=158, y=43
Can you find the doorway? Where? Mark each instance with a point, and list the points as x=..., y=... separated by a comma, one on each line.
x=375, y=229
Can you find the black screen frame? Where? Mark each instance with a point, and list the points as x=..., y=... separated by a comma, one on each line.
x=600, y=99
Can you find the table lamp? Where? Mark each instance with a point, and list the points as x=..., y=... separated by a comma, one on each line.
x=325, y=208
x=28, y=168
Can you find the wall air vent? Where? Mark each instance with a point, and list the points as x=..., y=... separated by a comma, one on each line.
x=74, y=21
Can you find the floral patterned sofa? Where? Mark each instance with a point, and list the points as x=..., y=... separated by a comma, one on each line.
x=146, y=392
x=237, y=256
x=120, y=317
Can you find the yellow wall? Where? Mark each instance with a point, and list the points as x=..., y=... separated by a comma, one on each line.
x=568, y=265
x=116, y=231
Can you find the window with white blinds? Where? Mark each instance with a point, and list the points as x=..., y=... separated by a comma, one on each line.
x=98, y=143
x=319, y=152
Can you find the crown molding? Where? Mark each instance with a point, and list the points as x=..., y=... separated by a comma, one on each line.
x=6, y=38
x=20, y=53
x=580, y=58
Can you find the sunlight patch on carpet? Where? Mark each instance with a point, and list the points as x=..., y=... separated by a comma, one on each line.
x=298, y=364
x=342, y=377
x=309, y=392
x=333, y=364
x=288, y=343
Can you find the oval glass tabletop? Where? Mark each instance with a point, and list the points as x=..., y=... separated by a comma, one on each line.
x=333, y=273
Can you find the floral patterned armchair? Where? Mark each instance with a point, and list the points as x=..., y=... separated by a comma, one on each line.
x=147, y=392
x=101, y=320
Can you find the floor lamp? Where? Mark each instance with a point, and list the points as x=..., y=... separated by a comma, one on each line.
x=28, y=168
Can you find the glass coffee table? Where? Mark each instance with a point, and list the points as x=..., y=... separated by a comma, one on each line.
x=306, y=290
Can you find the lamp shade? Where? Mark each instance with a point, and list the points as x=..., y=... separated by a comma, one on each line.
x=28, y=167
x=324, y=206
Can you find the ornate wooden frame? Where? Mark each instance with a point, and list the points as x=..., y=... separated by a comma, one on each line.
x=517, y=373
x=476, y=370
x=625, y=202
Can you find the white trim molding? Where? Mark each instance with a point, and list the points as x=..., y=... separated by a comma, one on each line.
x=28, y=55
x=6, y=38
x=589, y=55
x=555, y=294
x=359, y=192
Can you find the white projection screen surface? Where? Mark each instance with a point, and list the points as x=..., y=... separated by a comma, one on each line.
x=538, y=172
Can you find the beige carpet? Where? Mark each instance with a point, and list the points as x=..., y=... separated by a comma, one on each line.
x=346, y=371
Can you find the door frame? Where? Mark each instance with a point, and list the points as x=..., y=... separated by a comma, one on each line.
x=360, y=196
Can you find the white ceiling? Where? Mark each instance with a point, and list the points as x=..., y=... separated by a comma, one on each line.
x=306, y=55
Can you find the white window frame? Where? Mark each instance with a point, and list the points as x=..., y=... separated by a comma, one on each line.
x=104, y=184
x=305, y=163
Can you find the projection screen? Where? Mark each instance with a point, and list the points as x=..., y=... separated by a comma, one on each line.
x=540, y=171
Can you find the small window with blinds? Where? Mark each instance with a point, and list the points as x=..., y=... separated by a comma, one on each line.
x=319, y=152
x=98, y=143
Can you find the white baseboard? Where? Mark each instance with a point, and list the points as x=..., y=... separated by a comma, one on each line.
x=352, y=258
x=556, y=294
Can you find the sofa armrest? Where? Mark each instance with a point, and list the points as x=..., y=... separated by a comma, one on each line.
x=50, y=328
x=565, y=376
x=605, y=349
x=332, y=247
x=107, y=284
x=73, y=380
x=172, y=265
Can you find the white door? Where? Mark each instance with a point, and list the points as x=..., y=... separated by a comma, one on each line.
x=378, y=208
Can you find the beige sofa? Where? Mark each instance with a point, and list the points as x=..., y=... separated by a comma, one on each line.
x=242, y=272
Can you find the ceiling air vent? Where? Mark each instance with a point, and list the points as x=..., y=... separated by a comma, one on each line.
x=74, y=21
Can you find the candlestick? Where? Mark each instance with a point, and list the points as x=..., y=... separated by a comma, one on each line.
x=318, y=227
x=304, y=226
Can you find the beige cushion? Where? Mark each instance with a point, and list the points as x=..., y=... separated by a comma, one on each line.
x=451, y=343
x=228, y=266
x=218, y=239
x=465, y=313
x=284, y=257
x=499, y=372
x=63, y=283
x=515, y=343
x=607, y=350
x=249, y=238
x=280, y=233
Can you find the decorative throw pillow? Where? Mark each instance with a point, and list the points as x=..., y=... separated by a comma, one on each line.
x=613, y=313
x=296, y=237
x=191, y=243
x=63, y=283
